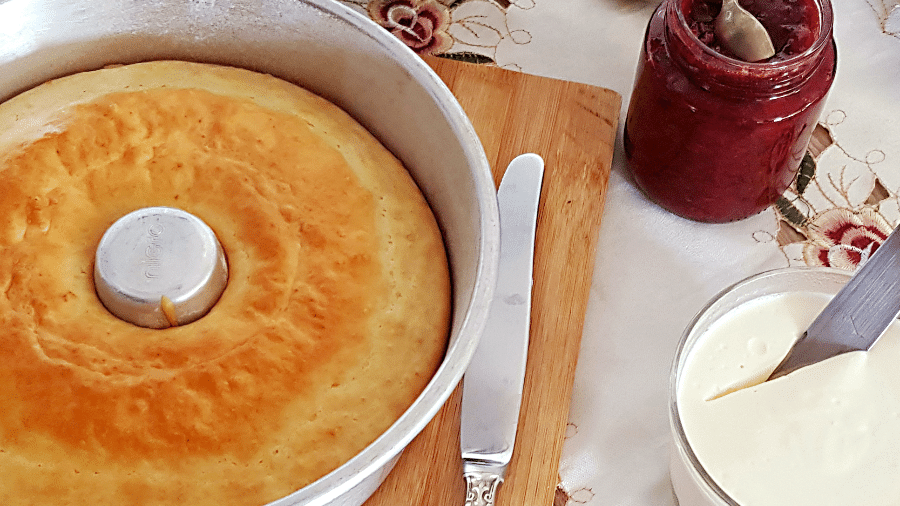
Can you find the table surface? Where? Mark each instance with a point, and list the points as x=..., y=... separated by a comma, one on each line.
x=653, y=270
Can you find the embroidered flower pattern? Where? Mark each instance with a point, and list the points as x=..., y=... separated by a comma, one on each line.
x=467, y=30
x=845, y=239
x=888, y=13
x=420, y=24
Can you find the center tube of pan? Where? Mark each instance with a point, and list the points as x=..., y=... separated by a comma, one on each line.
x=159, y=267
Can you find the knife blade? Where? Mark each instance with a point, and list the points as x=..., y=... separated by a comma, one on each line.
x=857, y=316
x=492, y=385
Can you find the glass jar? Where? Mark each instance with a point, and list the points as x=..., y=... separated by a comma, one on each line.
x=692, y=484
x=716, y=139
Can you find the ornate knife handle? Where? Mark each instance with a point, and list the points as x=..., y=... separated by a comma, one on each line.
x=481, y=487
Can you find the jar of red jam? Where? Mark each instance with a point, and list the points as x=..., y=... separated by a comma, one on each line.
x=716, y=139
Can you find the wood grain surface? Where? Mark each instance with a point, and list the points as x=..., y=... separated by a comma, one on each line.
x=573, y=127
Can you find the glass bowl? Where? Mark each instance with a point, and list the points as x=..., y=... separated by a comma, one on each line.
x=692, y=483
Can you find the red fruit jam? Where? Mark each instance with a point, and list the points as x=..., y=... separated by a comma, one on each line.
x=715, y=139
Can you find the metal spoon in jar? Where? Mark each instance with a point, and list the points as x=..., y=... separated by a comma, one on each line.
x=742, y=34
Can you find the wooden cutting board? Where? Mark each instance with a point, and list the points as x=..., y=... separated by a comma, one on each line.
x=573, y=127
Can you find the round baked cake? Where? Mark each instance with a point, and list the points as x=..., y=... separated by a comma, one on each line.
x=334, y=318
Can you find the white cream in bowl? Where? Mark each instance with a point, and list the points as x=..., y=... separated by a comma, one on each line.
x=827, y=434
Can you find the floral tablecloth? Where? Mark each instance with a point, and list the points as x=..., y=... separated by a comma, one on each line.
x=653, y=270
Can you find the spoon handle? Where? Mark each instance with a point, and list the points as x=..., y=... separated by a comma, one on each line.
x=742, y=34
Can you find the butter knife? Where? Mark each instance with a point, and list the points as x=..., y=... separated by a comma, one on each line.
x=857, y=316
x=492, y=385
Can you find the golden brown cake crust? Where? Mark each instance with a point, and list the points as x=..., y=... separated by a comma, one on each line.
x=334, y=319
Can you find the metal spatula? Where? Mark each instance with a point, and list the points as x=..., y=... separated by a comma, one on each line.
x=857, y=316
